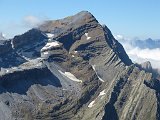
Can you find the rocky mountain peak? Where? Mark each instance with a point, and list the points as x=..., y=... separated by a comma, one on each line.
x=73, y=69
x=147, y=66
x=71, y=22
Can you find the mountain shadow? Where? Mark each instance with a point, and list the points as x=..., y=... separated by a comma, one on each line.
x=20, y=81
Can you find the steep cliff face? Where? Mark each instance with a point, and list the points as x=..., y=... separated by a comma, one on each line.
x=29, y=38
x=5, y=46
x=73, y=68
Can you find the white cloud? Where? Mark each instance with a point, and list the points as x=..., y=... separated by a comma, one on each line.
x=24, y=24
x=4, y=35
x=141, y=55
x=32, y=21
x=118, y=37
x=146, y=53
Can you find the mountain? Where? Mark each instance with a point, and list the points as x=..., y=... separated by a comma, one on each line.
x=147, y=66
x=148, y=43
x=2, y=37
x=73, y=69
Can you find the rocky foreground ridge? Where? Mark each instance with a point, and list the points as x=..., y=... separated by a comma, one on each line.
x=73, y=69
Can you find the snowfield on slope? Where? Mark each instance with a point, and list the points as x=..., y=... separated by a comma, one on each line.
x=50, y=35
x=91, y=104
x=86, y=34
x=93, y=66
x=70, y=76
x=50, y=45
x=102, y=93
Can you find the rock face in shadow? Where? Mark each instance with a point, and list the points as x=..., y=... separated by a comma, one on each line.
x=73, y=69
x=29, y=38
x=5, y=46
x=22, y=80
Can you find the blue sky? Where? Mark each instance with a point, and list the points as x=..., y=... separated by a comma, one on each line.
x=130, y=18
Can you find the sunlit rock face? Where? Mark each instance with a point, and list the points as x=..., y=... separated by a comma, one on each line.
x=73, y=69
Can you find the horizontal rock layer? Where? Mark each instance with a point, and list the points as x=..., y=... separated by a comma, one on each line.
x=73, y=68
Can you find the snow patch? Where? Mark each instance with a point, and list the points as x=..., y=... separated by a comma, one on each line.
x=100, y=79
x=7, y=71
x=126, y=67
x=12, y=44
x=70, y=76
x=73, y=56
x=50, y=45
x=75, y=51
x=102, y=93
x=49, y=39
x=93, y=66
x=91, y=104
x=50, y=35
x=46, y=53
x=86, y=34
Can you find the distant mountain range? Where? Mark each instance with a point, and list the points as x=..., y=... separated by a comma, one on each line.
x=2, y=36
x=143, y=44
x=148, y=43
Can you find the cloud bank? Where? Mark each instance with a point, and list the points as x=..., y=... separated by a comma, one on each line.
x=32, y=21
x=119, y=37
x=139, y=55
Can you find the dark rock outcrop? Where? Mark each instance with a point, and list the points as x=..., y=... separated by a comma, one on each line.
x=28, y=38
x=5, y=46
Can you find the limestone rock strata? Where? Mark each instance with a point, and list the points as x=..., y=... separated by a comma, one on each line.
x=73, y=69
